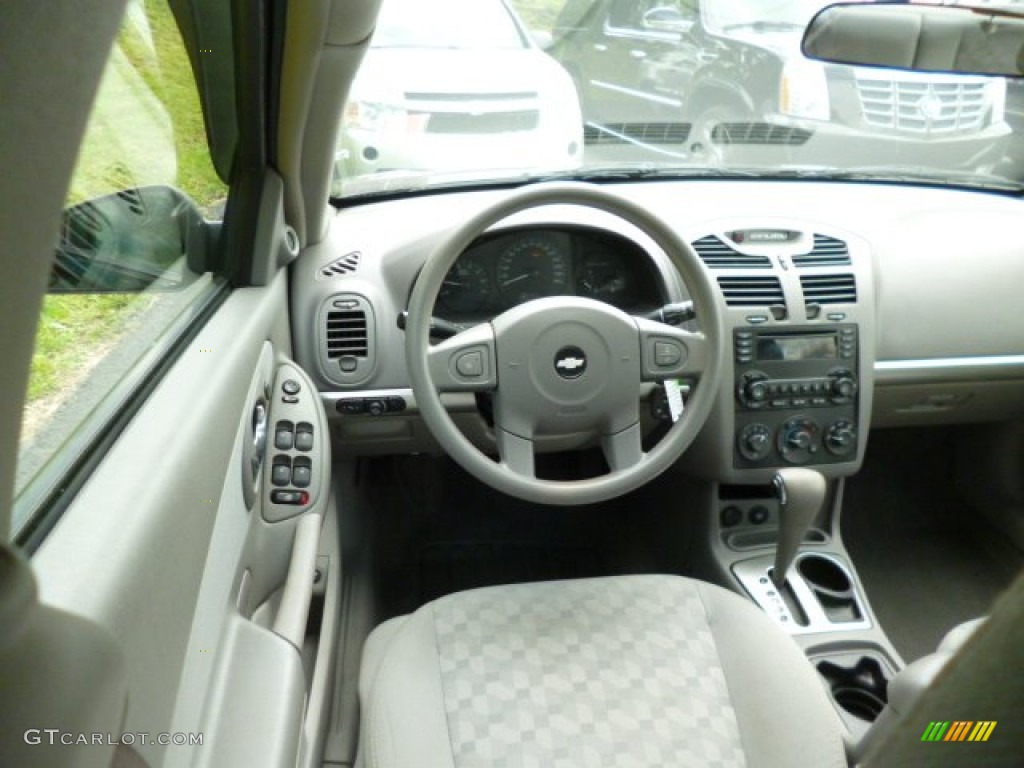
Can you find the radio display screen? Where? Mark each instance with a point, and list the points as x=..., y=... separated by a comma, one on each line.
x=818, y=347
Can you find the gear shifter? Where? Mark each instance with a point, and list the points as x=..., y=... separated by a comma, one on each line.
x=801, y=493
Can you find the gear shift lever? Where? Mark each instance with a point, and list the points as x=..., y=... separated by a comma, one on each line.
x=801, y=493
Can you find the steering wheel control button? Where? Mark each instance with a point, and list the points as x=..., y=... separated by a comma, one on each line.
x=291, y=387
x=667, y=353
x=470, y=364
x=292, y=498
x=570, y=362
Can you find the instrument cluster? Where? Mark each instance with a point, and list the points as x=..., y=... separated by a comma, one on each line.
x=501, y=271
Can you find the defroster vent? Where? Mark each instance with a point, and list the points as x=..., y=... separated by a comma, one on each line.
x=829, y=289
x=751, y=290
x=344, y=265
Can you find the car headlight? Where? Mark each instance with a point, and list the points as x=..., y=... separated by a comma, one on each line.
x=997, y=98
x=803, y=90
x=381, y=118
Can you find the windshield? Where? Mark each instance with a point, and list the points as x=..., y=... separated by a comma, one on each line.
x=470, y=92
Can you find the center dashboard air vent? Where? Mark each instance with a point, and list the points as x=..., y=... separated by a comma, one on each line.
x=347, y=338
x=829, y=289
x=751, y=290
x=714, y=252
x=827, y=252
x=344, y=265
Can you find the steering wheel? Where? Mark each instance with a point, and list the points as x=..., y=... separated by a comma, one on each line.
x=564, y=365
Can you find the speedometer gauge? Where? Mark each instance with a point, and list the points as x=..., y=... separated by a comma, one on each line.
x=466, y=287
x=532, y=267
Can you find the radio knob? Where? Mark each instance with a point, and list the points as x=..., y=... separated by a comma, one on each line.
x=754, y=389
x=844, y=387
x=841, y=438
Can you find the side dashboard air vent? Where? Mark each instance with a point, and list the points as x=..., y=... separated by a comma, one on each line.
x=347, y=340
x=344, y=265
x=751, y=291
x=346, y=333
x=827, y=252
x=829, y=289
x=717, y=255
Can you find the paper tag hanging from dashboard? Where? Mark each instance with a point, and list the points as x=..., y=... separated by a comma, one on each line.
x=676, y=393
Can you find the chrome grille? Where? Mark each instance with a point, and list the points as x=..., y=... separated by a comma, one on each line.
x=922, y=106
x=483, y=122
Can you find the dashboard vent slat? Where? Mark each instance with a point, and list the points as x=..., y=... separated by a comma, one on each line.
x=718, y=255
x=829, y=289
x=751, y=291
x=344, y=265
x=346, y=334
x=827, y=252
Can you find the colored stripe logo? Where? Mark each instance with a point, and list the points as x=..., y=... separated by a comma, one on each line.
x=959, y=730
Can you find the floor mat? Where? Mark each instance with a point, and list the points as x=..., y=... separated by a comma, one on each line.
x=928, y=562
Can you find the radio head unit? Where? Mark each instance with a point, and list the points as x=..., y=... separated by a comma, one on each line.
x=796, y=395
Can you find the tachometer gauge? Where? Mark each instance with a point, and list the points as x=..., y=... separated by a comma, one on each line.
x=532, y=267
x=466, y=287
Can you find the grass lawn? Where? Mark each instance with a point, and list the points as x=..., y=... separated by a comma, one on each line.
x=146, y=128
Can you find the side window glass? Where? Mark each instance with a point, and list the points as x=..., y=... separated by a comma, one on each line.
x=127, y=278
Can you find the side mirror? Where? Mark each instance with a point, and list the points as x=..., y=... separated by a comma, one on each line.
x=956, y=39
x=130, y=241
x=542, y=38
x=666, y=18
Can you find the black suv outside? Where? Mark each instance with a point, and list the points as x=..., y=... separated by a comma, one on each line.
x=725, y=81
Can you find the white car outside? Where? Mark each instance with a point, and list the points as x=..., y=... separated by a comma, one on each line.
x=458, y=85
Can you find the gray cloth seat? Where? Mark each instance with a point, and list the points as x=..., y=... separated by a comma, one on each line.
x=621, y=671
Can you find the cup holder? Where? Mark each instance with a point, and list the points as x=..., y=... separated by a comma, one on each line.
x=861, y=703
x=832, y=587
x=861, y=689
x=825, y=575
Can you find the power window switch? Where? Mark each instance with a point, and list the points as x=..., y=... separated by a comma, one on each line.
x=301, y=476
x=280, y=474
x=304, y=438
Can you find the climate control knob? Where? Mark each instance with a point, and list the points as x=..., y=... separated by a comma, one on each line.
x=755, y=442
x=841, y=438
x=798, y=440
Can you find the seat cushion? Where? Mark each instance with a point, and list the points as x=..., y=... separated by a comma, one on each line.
x=623, y=671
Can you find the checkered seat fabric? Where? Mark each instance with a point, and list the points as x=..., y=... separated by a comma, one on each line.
x=629, y=671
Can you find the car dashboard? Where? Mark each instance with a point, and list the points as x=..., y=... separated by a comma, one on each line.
x=847, y=307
